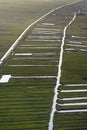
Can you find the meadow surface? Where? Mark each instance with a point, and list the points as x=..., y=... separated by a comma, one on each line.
x=16, y=15
x=26, y=99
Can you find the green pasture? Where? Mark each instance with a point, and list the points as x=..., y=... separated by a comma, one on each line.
x=26, y=105
x=16, y=15
x=74, y=68
x=73, y=121
x=26, y=102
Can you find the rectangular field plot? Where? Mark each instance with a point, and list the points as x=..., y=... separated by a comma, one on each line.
x=73, y=121
x=26, y=103
x=30, y=71
x=74, y=69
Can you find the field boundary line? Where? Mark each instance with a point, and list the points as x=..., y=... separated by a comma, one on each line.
x=59, y=74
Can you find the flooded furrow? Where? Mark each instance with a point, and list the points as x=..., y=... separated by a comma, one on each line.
x=73, y=91
x=72, y=111
x=74, y=104
x=75, y=98
x=76, y=85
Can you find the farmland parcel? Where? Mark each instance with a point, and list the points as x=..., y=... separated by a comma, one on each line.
x=30, y=74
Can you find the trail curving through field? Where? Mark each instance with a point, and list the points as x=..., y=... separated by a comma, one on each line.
x=59, y=74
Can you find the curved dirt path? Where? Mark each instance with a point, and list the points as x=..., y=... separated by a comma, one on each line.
x=59, y=74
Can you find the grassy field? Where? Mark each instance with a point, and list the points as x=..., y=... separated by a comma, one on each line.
x=74, y=76
x=16, y=15
x=26, y=100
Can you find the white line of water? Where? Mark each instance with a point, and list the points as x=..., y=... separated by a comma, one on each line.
x=27, y=58
x=83, y=50
x=46, y=29
x=30, y=65
x=25, y=77
x=23, y=54
x=74, y=104
x=37, y=47
x=75, y=42
x=73, y=91
x=76, y=45
x=78, y=37
x=46, y=24
x=71, y=99
x=42, y=40
x=69, y=49
x=72, y=111
x=36, y=54
x=59, y=75
x=76, y=85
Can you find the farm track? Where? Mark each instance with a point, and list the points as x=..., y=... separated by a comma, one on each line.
x=39, y=68
x=59, y=73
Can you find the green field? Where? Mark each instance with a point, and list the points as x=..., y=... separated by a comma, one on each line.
x=16, y=15
x=26, y=99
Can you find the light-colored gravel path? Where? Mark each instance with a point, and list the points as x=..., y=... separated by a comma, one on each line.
x=59, y=74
